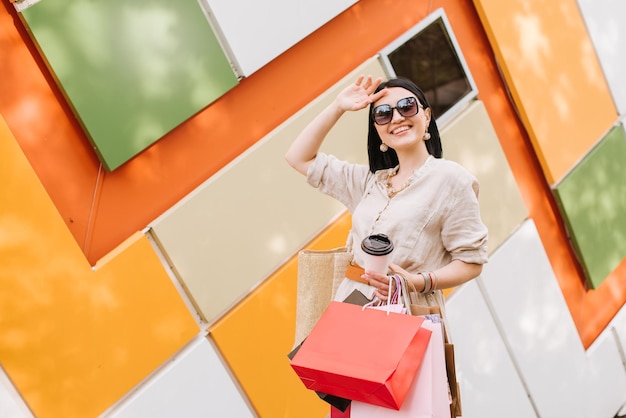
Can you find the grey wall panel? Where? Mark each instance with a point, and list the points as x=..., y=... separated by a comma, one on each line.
x=605, y=376
x=11, y=403
x=194, y=383
x=606, y=23
x=618, y=327
x=536, y=323
x=490, y=385
x=256, y=32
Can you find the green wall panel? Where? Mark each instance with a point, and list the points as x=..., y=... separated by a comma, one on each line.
x=132, y=71
x=593, y=202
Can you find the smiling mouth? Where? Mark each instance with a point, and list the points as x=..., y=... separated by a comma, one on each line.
x=400, y=130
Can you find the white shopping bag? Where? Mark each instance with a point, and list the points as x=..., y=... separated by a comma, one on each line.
x=428, y=396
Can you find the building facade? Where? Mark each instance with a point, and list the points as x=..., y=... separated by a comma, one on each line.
x=149, y=226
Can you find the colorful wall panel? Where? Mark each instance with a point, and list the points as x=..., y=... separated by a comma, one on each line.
x=618, y=329
x=202, y=244
x=544, y=47
x=267, y=317
x=489, y=381
x=605, y=23
x=605, y=379
x=112, y=60
x=471, y=141
x=11, y=403
x=102, y=209
x=222, y=159
x=593, y=200
x=87, y=340
x=536, y=325
x=563, y=125
x=271, y=28
x=194, y=383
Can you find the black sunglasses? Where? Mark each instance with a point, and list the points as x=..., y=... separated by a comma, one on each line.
x=406, y=107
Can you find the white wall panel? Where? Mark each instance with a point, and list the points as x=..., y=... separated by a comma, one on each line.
x=536, y=323
x=606, y=23
x=605, y=377
x=195, y=384
x=11, y=403
x=490, y=385
x=618, y=327
x=256, y=31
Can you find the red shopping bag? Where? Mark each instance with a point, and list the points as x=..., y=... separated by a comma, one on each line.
x=362, y=354
x=338, y=413
x=429, y=394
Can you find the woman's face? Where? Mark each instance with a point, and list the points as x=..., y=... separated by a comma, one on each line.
x=401, y=131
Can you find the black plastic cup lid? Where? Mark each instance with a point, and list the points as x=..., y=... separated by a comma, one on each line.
x=378, y=244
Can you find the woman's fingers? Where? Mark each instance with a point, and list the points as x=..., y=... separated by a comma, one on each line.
x=359, y=95
x=374, y=85
x=381, y=283
x=369, y=84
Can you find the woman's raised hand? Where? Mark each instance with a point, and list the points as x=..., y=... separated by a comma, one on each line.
x=359, y=94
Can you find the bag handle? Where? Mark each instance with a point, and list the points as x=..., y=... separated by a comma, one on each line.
x=349, y=242
x=398, y=296
x=410, y=287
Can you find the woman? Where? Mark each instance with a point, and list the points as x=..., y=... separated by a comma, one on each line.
x=426, y=205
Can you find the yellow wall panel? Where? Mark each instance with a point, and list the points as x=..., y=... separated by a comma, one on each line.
x=231, y=215
x=74, y=340
x=556, y=80
x=256, y=336
x=471, y=141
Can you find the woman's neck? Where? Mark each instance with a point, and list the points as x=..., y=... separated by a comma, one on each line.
x=410, y=162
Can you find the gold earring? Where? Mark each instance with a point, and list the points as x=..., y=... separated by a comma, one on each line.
x=426, y=136
x=383, y=147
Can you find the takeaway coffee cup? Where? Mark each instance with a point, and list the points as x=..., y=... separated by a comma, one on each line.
x=377, y=249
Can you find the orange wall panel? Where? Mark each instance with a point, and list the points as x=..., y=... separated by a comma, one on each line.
x=74, y=340
x=556, y=80
x=591, y=310
x=256, y=336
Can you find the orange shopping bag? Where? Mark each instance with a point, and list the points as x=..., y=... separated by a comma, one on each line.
x=362, y=354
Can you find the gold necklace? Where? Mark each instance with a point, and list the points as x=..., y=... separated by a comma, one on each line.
x=391, y=191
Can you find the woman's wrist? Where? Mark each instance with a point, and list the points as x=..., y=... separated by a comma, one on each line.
x=427, y=282
x=417, y=282
x=337, y=107
x=424, y=281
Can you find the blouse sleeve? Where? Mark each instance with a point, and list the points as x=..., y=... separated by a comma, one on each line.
x=341, y=180
x=464, y=234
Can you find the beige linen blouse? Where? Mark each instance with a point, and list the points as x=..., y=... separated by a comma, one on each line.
x=432, y=222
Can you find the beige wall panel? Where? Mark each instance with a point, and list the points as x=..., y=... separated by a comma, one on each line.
x=552, y=69
x=471, y=141
x=241, y=224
